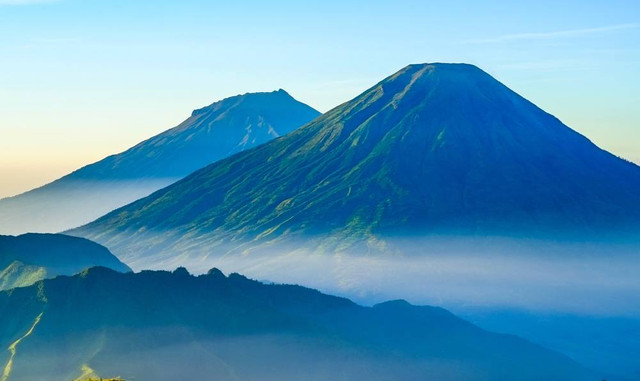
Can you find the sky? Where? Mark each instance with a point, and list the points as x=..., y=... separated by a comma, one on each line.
x=82, y=79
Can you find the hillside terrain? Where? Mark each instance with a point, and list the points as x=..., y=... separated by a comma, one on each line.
x=28, y=258
x=167, y=326
x=435, y=150
x=209, y=134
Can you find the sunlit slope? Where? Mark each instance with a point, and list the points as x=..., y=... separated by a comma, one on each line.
x=209, y=134
x=28, y=258
x=166, y=326
x=435, y=149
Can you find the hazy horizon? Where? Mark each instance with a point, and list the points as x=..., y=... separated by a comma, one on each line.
x=320, y=190
x=105, y=76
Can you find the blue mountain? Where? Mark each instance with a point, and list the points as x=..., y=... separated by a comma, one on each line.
x=209, y=134
x=168, y=326
x=432, y=150
x=28, y=258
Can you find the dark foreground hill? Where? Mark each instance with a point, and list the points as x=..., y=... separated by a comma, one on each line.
x=209, y=134
x=168, y=326
x=28, y=258
x=433, y=150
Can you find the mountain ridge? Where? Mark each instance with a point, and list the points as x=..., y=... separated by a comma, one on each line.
x=237, y=328
x=213, y=132
x=29, y=258
x=274, y=103
x=434, y=149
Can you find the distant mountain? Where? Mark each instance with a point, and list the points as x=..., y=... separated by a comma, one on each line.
x=608, y=344
x=209, y=134
x=433, y=150
x=173, y=326
x=28, y=258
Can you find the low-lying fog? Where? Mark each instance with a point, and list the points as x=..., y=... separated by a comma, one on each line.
x=70, y=203
x=581, y=299
x=538, y=276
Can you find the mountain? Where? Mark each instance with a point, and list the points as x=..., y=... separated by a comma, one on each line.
x=433, y=150
x=209, y=134
x=608, y=344
x=167, y=326
x=29, y=258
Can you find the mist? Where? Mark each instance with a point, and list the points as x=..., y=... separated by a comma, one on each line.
x=581, y=299
x=543, y=276
x=62, y=206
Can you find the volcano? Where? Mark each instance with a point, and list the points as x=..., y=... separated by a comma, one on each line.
x=209, y=134
x=434, y=149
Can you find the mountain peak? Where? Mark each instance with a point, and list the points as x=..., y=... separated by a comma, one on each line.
x=452, y=66
x=438, y=68
x=181, y=271
x=397, y=303
x=210, y=133
x=215, y=273
x=279, y=95
x=439, y=79
x=432, y=149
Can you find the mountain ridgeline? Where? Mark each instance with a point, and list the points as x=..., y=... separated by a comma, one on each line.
x=168, y=326
x=28, y=258
x=434, y=149
x=209, y=134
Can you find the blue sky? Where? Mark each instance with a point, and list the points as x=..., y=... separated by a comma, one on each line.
x=81, y=79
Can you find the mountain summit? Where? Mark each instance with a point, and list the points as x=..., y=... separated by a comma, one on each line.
x=433, y=149
x=209, y=134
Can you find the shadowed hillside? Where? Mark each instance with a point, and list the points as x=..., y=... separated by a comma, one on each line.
x=28, y=258
x=166, y=326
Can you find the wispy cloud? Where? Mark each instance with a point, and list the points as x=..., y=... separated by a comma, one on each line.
x=24, y=2
x=58, y=40
x=548, y=65
x=49, y=43
x=553, y=35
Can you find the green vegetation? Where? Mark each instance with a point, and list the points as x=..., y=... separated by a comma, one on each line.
x=434, y=149
x=14, y=347
x=157, y=325
x=17, y=274
x=26, y=259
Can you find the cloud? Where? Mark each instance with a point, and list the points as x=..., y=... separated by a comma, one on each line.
x=24, y=2
x=553, y=35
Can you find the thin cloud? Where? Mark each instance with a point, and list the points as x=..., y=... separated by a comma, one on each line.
x=24, y=2
x=548, y=65
x=553, y=35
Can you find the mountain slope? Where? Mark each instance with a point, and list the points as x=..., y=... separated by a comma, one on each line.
x=435, y=149
x=164, y=326
x=209, y=134
x=28, y=258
